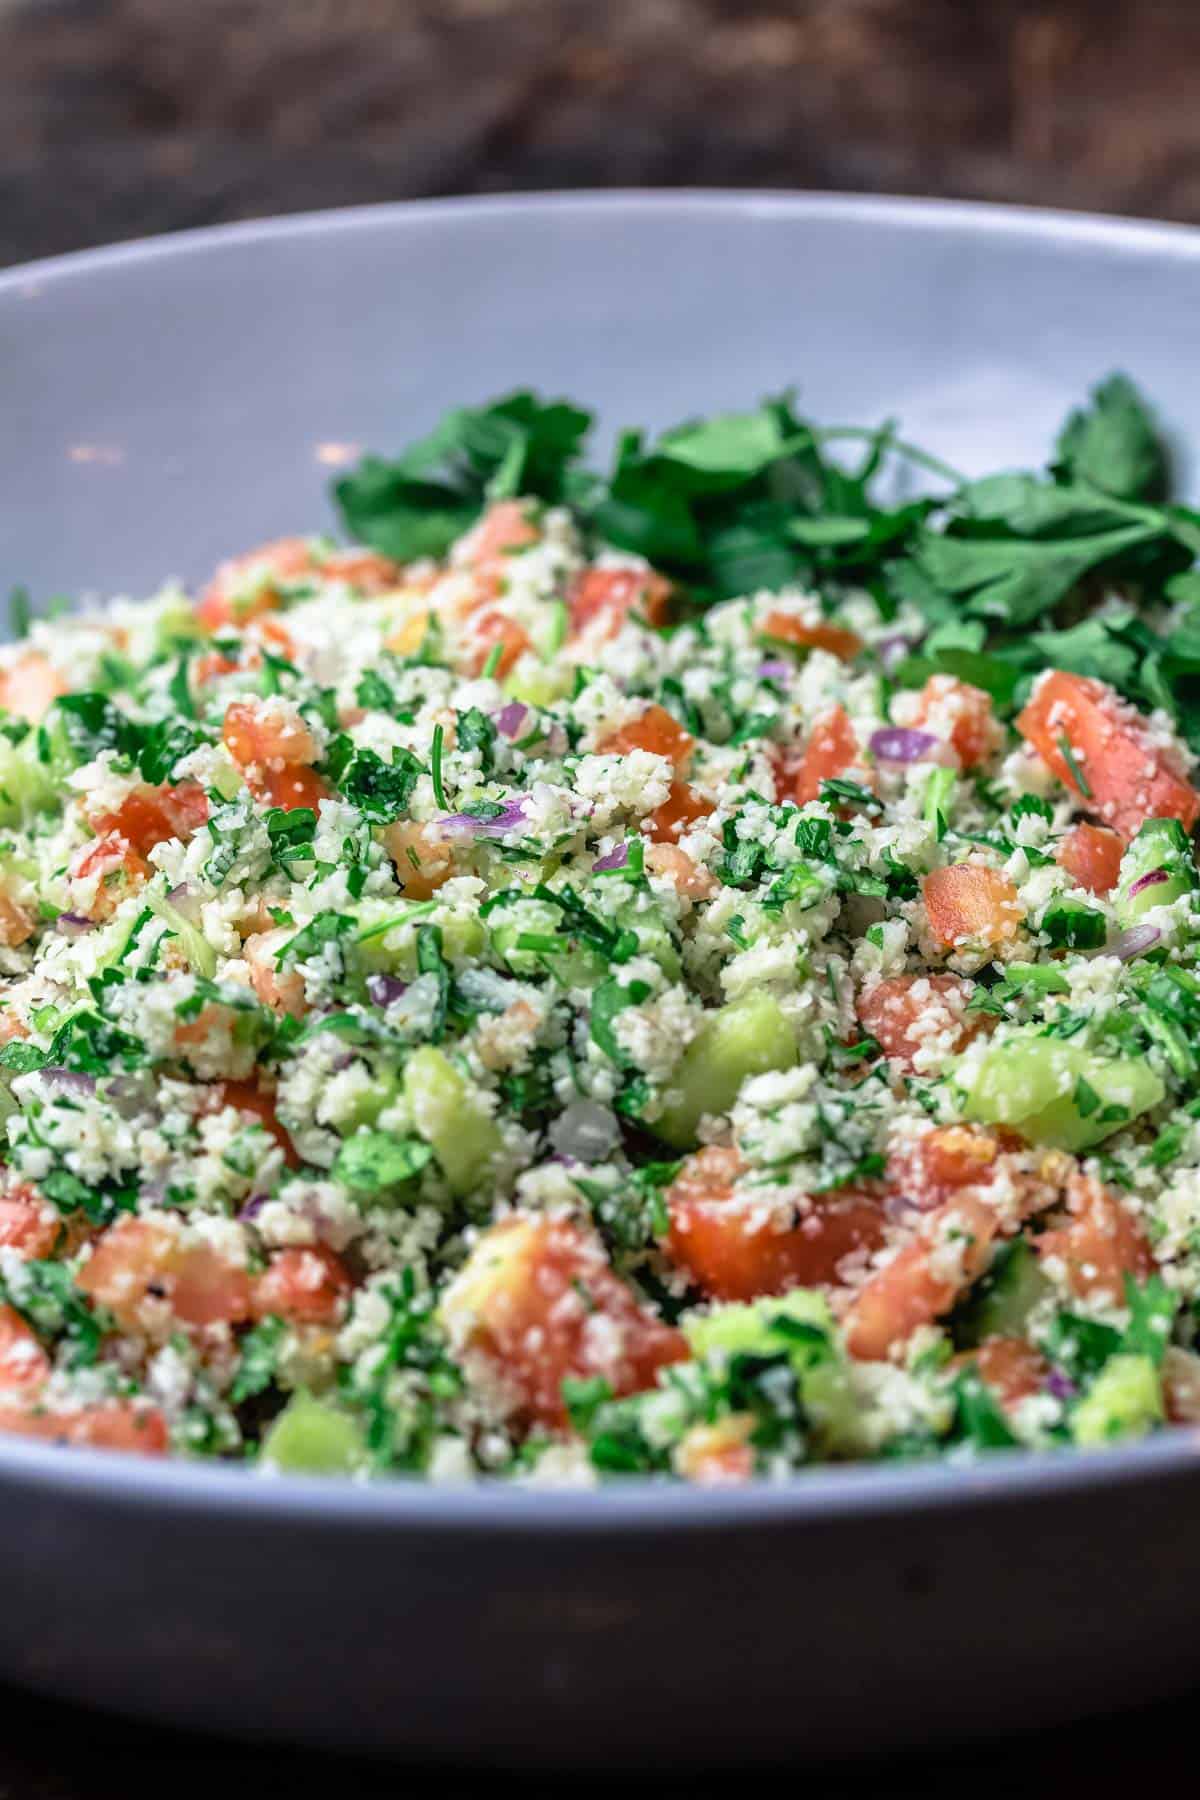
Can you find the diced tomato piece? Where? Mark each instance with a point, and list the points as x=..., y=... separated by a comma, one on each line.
x=30, y=686
x=945, y=1159
x=538, y=1302
x=247, y=1097
x=149, y=816
x=906, y=1012
x=689, y=877
x=128, y=1425
x=1012, y=1368
x=956, y=711
x=1099, y=1245
x=1119, y=771
x=208, y=667
x=28, y=1224
x=245, y=587
x=657, y=732
x=12, y=1025
x=505, y=527
x=365, y=570
x=282, y=989
x=612, y=594
x=23, y=1362
x=423, y=861
x=258, y=737
x=969, y=903
x=290, y=788
x=824, y=635
x=719, y=1455
x=307, y=1287
x=117, y=870
x=492, y=630
x=681, y=808
x=139, y=1262
x=16, y=925
x=923, y=1280
x=1091, y=855
x=831, y=750
x=732, y=1251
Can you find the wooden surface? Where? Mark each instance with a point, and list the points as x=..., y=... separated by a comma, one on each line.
x=119, y=117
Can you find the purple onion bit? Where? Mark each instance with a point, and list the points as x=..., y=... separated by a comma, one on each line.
x=510, y=818
x=1131, y=943
x=510, y=718
x=73, y=1080
x=1150, y=880
x=252, y=1208
x=1060, y=1386
x=383, y=989
x=73, y=924
x=614, y=859
x=900, y=744
x=893, y=650
x=774, y=670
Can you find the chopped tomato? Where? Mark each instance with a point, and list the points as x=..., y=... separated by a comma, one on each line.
x=734, y=1250
x=969, y=903
x=681, y=808
x=831, y=750
x=365, y=570
x=282, y=989
x=538, y=1302
x=12, y=1025
x=1012, y=1368
x=1099, y=1245
x=116, y=869
x=28, y=1224
x=824, y=635
x=906, y=1012
x=955, y=710
x=423, y=861
x=290, y=788
x=246, y=1097
x=489, y=631
x=719, y=1455
x=945, y=1159
x=505, y=527
x=23, y=1362
x=689, y=877
x=149, y=816
x=612, y=594
x=16, y=925
x=256, y=736
x=307, y=1287
x=248, y=586
x=128, y=1425
x=923, y=1280
x=1110, y=759
x=139, y=1264
x=657, y=732
x=30, y=686
x=1091, y=855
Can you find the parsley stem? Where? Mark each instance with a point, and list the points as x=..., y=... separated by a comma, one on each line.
x=911, y=452
x=436, y=768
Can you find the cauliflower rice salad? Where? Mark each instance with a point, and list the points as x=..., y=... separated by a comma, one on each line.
x=691, y=972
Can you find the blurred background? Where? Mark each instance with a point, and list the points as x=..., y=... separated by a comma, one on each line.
x=125, y=117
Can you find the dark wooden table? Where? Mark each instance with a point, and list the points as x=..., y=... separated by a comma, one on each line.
x=123, y=117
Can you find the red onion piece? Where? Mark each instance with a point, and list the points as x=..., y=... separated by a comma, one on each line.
x=893, y=650
x=1131, y=943
x=901, y=744
x=383, y=989
x=73, y=1080
x=186, y=902
x=1150, y=880
x=73, y=924
x=509, y=819
x=252, y=1208
x=1060, y=1385
x=614, y=859
x=774, y=670
x=509, y=718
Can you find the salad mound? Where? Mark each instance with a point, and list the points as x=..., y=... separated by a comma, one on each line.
x=690, y=972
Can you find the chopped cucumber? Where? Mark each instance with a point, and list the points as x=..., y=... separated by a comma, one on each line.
x=1156, y=869
x=1124, y=1401
x=800, y=1326
x=450, y=1118
x=26, y=785
x=748, y=1037
x=1055, y=1092
x=314, y=1437
x=202, y=958
x=1003, y=1300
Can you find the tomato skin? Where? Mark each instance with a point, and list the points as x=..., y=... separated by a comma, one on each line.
x=538, y=1301
x=23, y=1362
x=726, y=1256
x=492, y=629
x=247, y=1097
x=831, y=750
x=290, y=788
x=945, y=1159
x=974, y=732
x=1009, y=1366
x=280, y=989
x=1130, y=779
x=16, y=925
x=434, y=858
x=28, y=1225
x=304, y=1286
x=149, y=816
x=970, y=903
x=836, y=639
x=140, y=1260
x=894, y=1011
x=681, y=809
x=30, y=686
x=255, y=737
x=1091, y=855
x=119, y=870
x=612, y=594
x=1099, y=1244
x=657, y=732
x=127, y=1425
x=917, y=1287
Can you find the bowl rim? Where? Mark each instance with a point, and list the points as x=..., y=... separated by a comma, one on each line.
x=831, y=1492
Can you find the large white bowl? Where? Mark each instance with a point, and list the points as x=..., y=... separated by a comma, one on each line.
x=167, y=403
